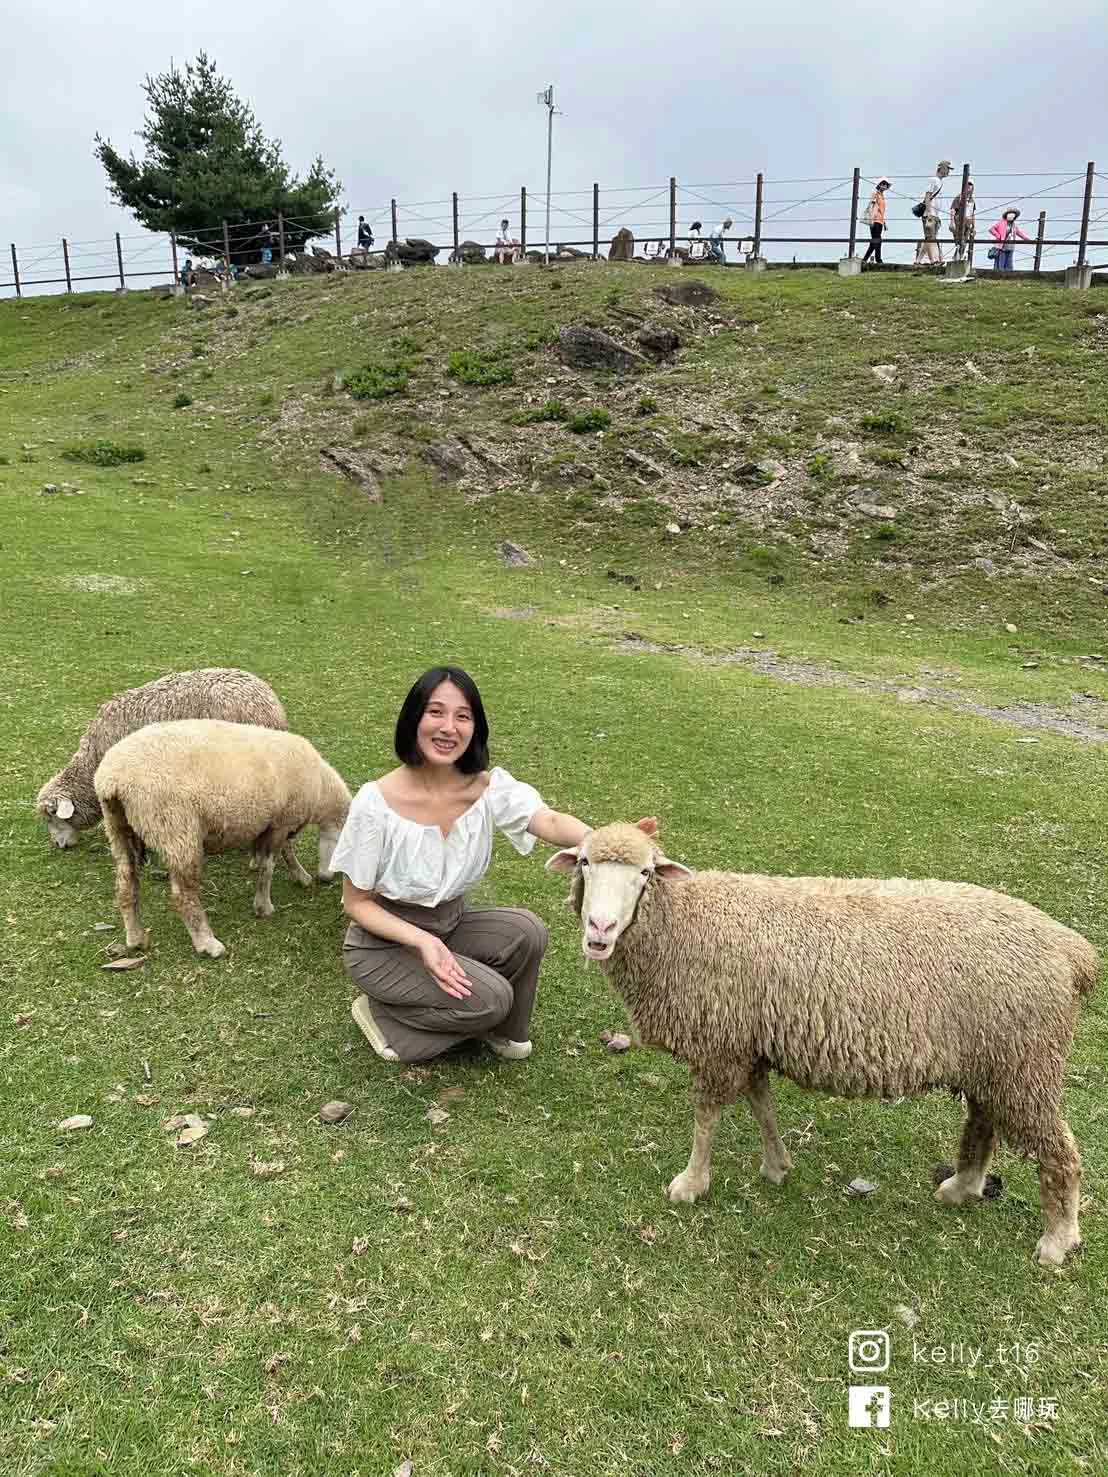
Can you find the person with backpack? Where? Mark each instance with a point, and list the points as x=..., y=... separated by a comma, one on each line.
x=365, y=234
x=717, y=249
x=874, y=217
x=928, y=252
x=1005, y=233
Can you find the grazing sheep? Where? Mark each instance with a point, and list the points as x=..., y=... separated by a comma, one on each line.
x=856, y=987
x=68, y=803
x=200, y=786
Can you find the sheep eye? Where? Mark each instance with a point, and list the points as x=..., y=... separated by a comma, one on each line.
x=645, y=872
x=583, y=861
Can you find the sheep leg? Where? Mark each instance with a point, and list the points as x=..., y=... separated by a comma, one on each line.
x=1059, y=1194
x=184, y=893
x=694, y=1179
x=775, y=1157
x=974, y=1153
x=292, y=861
x=266, y=862
x=127, y=854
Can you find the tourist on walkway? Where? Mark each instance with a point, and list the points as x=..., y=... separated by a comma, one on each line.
x=1005, y=233
x=874, y=217
x=928, y=252
x=963, y=221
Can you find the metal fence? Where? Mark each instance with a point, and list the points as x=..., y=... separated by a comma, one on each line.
x=803, y=216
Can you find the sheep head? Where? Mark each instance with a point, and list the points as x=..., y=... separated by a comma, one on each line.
x=612, y=868
x=58, y=810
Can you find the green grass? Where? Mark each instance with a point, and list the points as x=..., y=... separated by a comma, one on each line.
x=512, y=1288
x=471, y=368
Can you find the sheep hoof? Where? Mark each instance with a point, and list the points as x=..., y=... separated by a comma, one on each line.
x=776, y=1174
x=213, y=947
x=264, y=910
x=686, y=1188
x=1053, y=1249
x=953, y=1192
x=138, y=942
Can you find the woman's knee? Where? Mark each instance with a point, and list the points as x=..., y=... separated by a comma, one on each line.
x=534, y=930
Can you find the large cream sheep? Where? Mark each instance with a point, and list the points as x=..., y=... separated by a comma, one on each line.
x=199, y=786
x=856, y=987
x=68, y=803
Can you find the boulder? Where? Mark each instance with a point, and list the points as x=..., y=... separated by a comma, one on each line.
x=622, y=248
x=591, y=348
x=415, y=252
x=514, y=556
x=657, y=341
x=690, y=293
x=472, y=253
x=447, y=459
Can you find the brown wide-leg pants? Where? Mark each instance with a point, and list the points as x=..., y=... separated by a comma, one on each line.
x=500, y=950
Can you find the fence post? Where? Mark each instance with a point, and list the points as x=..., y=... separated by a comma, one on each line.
x=854, y=211
x=15, y=271
x=1082, y=245
x=281, y=240
x=176, y=271
x=595, y=222
x=338, y=237
x=226, y=256
x=395, y=236
x=1039, y=238
x=457, y=242
x=673, y=215
x=523, y=220
x=966, y=242
x=65, y=259
x=119, y=259
x=758, y=194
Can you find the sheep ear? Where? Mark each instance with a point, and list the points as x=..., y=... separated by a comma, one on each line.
x=563, y=861
x=671, y=871
x=65, y=808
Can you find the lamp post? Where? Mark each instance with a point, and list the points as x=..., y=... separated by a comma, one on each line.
x=546, y=97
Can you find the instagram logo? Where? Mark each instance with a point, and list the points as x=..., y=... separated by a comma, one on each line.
x=868, y=1351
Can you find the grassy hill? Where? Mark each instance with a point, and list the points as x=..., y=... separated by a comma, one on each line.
x=713, y=629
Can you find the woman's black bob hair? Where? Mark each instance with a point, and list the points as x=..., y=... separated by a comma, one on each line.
x=406, y=744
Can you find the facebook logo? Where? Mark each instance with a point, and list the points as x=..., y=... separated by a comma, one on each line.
x=869, y=1405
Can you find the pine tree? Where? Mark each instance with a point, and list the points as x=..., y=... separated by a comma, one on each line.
x=206, y=162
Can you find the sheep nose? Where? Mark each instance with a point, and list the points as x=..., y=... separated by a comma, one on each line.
x=601, y=926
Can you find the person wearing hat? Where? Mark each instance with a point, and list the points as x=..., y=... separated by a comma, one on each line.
x=928, y=252
x=963, y=221
x=874, y=217
x=1005, y=233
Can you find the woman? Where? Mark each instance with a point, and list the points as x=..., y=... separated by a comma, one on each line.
x=1005, y=233
x=431, y=971
x=963, y=221
x=875, y=218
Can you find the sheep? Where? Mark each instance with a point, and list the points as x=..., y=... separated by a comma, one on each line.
x=68, y=803
x=859, y=987
x=202, y=785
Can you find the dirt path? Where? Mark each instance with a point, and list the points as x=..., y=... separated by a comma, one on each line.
x=1092, y=729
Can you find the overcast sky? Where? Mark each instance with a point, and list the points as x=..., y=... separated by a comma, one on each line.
x=417, y=99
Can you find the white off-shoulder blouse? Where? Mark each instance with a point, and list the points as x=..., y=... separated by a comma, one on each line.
x=386, y=853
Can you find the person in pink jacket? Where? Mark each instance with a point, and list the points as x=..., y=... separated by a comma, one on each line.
x=1005, y=233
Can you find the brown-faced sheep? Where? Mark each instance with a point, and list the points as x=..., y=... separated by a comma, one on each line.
x=200, y=786
x=68, y=803
x=864, y=987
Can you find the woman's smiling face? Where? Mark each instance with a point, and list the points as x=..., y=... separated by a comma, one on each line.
x=446, y=728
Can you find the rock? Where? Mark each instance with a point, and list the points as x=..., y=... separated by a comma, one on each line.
x=436, y=1115
x=886, y=373
x=876, y=510
x=690, y=293
x=198, y=300
x=658, y=342
x=262, y=272
x=78, y=1121
x=624, y=579
x=908, y=1316
x=861, y=1187
x=448, y=460
x=1010, y=628
x=986, y=566
x=416, y=252
x=513, y=556
x=615, y=1041
x=622, y=248
x=1010, y=461
x=336, y=1112
x=361, y=467
x=972, y=370
x=642, y=463
x=472, y=253
x=591, y=348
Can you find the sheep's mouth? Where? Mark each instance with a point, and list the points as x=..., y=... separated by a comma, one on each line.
x=598, y=948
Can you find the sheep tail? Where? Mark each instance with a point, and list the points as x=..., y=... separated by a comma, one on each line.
x=1085, y=967
x=118, y=826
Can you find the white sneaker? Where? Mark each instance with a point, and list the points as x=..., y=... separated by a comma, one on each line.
x=509, y=1051
x=371, y=1030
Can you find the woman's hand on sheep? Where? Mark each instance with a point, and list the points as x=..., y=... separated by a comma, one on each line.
x=443, y=968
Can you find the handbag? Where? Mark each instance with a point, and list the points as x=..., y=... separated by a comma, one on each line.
x=918, y=209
